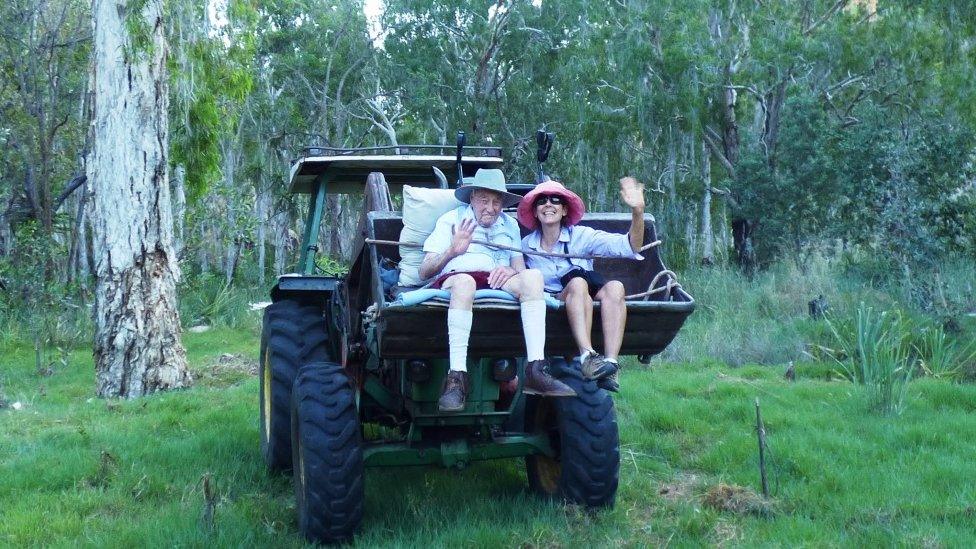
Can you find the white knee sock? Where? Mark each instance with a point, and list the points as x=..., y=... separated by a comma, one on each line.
x=534, y=327
x=458, y=332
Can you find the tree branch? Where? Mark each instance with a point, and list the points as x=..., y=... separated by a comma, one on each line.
x=75, y=182
x=711, y=139
x=823, y=18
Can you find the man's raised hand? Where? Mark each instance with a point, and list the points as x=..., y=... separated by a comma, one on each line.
x=632, y=192
x=463, y=234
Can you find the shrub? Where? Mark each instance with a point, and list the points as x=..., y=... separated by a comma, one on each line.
x=941, y=357
x=875, y=351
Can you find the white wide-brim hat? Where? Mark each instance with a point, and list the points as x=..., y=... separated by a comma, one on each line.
x=491, y=180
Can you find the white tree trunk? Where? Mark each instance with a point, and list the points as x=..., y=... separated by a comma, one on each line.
x=137, y=325
x=233, y=248
x=691, y=236
x=233, y=253
x=281, y=231
x=672, y=169
x=707, y=239
x=84, y=262
x=179, y=208
x=203, y=250
x=725, y=235
x=261, y=206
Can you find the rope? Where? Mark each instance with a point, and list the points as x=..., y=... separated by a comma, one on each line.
x=672, y=282
x=376, y=242
x=649, y=246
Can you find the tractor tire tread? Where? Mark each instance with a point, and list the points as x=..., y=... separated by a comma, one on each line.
x=324, y=408
x=294, y=333
x=589, y=443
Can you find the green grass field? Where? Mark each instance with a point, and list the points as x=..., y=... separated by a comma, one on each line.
x=76, y=470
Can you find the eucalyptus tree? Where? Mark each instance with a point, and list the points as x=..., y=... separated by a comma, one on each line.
x=137, y=325
x=44, y=48
x=481, y=68
x=314, y=85
x=867, y=92
x=211, y=77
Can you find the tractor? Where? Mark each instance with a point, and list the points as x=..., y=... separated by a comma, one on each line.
x=350, y=372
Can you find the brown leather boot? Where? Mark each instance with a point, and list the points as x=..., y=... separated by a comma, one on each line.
x=454, y=392
x=538, y=381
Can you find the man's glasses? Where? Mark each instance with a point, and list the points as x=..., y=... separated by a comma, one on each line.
x=553, y=199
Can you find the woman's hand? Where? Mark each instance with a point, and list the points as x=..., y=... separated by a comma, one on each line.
x=632, y=192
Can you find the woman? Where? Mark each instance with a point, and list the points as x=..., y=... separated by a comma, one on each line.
x=552, y=211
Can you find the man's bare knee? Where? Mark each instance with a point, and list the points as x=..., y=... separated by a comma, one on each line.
x=532, y=279
x=527, y=285
x=461, y=288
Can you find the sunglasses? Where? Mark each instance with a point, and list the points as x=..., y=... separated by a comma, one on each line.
x=553, y=199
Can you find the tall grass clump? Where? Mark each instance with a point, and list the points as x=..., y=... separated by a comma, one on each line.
x=207, y=299
x=942, y=357
x=875, y=351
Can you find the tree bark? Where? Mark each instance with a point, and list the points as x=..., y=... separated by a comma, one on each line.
x=745, y=250
x=137, y=326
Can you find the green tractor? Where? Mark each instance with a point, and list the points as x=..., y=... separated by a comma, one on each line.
x=342, y=353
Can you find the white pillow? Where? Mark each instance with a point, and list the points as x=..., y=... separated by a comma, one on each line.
x=421, y=209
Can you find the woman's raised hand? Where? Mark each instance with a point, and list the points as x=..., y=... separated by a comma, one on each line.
x=632, y=192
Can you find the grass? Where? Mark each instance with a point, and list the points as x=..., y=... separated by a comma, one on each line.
x=764, y=320
x=75, y=470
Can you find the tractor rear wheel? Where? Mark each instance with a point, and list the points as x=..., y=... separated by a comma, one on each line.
x=328, y=454
x=293, y=333
x=583, y=431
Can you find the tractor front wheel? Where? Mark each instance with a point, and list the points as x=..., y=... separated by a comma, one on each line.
x=293, y=333
x=327, y=454
x=583, y=432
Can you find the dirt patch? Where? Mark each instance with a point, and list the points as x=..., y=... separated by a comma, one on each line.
x=680, y=488
x=736, y=499
x=225, y=370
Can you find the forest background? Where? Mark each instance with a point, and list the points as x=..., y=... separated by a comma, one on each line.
x=767, y=132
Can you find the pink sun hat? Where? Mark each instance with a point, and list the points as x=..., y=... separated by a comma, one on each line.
x=574, y=204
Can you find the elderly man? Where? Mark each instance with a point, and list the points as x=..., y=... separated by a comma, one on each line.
x=461, y=267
